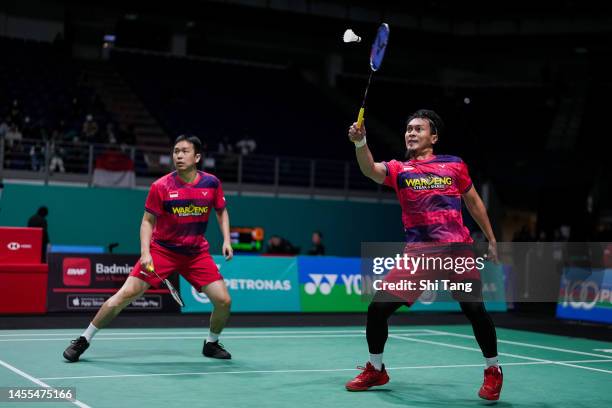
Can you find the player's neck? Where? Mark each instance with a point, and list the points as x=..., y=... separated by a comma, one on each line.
x=188, y=176
x=424, y=154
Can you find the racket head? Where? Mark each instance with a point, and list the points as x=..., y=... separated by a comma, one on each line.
x=379, y=46
x=174, y=292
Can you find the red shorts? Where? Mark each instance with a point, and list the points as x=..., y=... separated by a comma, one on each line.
x=419, y=275
x=198, y=269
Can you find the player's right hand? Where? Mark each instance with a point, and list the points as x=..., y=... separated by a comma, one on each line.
x=146, y=261
x=355, y=133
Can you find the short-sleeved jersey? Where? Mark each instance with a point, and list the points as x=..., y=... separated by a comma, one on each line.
x=182, y=211
x=429, y=192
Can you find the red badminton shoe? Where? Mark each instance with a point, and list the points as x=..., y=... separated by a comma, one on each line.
x=492, y=385
x=369, y=377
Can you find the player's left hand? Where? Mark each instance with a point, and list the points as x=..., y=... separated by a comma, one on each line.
x=492, y=252
x=228, y=252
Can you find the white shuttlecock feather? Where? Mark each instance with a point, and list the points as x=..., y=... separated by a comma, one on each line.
x=350, y=36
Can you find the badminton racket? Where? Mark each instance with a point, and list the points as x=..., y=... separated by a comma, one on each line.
x=170, y=287
x=376, y=57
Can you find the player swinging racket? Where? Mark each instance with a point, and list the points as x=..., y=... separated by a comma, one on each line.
x=172, y=239
x=429, y=215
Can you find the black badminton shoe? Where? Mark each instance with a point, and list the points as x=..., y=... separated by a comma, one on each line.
x=215, y=350
x=75, y=349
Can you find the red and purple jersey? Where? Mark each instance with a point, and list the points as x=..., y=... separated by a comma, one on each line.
x=429, y=192
x=182, y=211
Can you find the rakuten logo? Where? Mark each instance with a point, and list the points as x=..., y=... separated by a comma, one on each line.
x=77, y=272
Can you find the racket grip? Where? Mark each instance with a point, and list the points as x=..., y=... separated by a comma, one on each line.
x=149, y=268
x=360, y=117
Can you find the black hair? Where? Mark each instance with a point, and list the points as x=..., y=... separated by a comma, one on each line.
x=435, y=121
x=43, y=211
x=319, y=233
x=194, y=140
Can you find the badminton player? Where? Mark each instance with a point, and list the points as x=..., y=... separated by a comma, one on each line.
x=431, y=212
x=172, y=239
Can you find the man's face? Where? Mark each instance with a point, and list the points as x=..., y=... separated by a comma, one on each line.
x=316, y=238
x=418, y=135
x=184, y=155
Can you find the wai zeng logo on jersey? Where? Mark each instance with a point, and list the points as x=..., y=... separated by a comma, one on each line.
x=190, y=210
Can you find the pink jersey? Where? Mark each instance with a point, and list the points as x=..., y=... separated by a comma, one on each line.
x=182, y=211
x=429, y=192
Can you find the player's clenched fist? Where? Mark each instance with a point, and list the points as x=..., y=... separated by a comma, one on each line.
x=355, y=133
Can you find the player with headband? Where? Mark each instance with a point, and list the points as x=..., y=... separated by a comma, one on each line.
x=176, y=215
x=431, y=213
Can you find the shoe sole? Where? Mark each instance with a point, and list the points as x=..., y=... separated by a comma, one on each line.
x=218, y=358
x=70, y=359
x=358, y=389
x=493, y=398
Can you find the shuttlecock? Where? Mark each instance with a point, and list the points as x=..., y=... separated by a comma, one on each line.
x=350, y=36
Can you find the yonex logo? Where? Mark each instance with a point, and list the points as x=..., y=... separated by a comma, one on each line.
x=325, y=287
x=13, y=246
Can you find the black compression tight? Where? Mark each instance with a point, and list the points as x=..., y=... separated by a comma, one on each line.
x=379, y=311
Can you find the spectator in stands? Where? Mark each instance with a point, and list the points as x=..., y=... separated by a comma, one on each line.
x=37, y=157
x=111, y=136
x=225, y=146
x=246, y=145
x=90, y=129
x=56, y=154
x=38, y=220
x=15, y=112
x=317, y=244
x=13, y=135
x=280, y=246
x=4, y=126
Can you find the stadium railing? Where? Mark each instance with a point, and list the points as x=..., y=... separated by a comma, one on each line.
x=70, y=162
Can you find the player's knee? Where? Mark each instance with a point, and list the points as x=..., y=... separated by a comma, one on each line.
x=126, y=295
x=224, y=302
x=376, y=310
x=473, y=310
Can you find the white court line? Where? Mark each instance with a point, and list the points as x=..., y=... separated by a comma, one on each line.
x=501, y=354
x=517, y=343
x=313, y=370
x=225, y=332
x=316, y=336
x=39, y=382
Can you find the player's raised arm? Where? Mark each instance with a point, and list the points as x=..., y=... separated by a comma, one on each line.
x=367, y=165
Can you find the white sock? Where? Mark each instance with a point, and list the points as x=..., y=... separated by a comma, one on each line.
x=493, y=361
x=212, y=337
x=90, y=332
x=376, y=361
